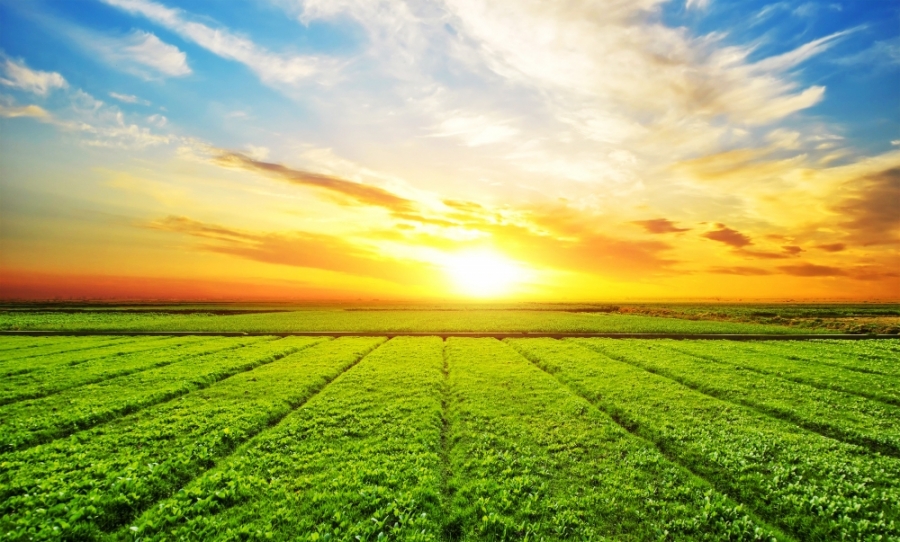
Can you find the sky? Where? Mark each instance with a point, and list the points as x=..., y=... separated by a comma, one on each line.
x=281, y=150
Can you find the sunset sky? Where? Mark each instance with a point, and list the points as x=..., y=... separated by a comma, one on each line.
x=361, y=149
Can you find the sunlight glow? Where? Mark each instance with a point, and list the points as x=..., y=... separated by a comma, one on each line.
x=483, y=273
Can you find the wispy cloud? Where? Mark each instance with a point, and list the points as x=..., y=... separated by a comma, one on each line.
x=295, y=249
x=869, y=211
x=17, y=75
x=146, y=49
x=139, y=53
x=740, y=271
x=730, y=237
x=34, y=111
x=697, y=4
x=270, y=67
x=659, y=225
x=128, y=98
x=357, y=192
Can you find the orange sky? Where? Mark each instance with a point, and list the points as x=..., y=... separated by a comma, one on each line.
x=531, y=154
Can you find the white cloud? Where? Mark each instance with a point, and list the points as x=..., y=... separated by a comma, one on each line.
x=20, y=76
x=699, y=4
x=128, y=98
x=34, y=111
x=800, y=54
x=270, y=67
x=475, y=130
x=145, y=48
x=139, y=53
x=257, y=153
x=94, y=122
x=158, y=120
x=882, y=54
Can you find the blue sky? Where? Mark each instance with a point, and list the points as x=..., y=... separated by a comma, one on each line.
x=608, y=146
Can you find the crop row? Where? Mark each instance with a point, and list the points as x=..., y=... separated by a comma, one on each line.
x=47, y=363
x=880, y=387
x=382, y=321
x=812, y=486
x=360, y=461
x=60, y=372
x=71, y=344
x=8, y=344
x=843, y=416
x=98, y=480
x=530, y=460
x=864, y=356
x=33, y=421
x=424, y=440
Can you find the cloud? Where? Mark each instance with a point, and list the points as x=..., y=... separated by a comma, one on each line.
x=18, y=75
x=812, y=270
x=616, y=58
x=741, y=271
x=870, y=211
x=832, y=247
x=148, y=50
x=801, y=54
x=724, y=234
x=792, y=249
x=295, y=249
x=868, y=273
x=34, y=111
x=882, y=54
x=361, y=193
x=475, y=131
x=762, y=254
x=699, y=4
x=128, y=98
x=271, y=68
x=158, y=120
x=659, y=225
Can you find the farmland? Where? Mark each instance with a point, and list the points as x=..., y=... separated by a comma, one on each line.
x=380, y=321
x=419, y=438
x=455, y=317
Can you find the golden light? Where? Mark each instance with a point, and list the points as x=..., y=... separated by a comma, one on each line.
x=483, y=273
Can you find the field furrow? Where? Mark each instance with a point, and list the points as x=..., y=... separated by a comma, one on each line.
x=860, y=356
x=84, y=477
x=880, y=387
x=836, y=414
x=52, y=362
x=71, y=344
x=34, y=421
x=11, y=343
x=812, y=486
x=532, y=460
x=359, y=461
x=66, y=374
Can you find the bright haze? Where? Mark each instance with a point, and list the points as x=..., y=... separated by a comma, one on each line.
x=357, y=149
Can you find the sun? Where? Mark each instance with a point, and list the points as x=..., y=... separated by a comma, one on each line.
x=483, y=273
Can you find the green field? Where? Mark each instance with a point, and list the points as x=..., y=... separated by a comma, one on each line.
x=417, y=438
x=379, y=321
x=454, y=317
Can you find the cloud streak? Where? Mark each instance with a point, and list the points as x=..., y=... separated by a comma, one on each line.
x=270, y=67
x=19, y=76
x=140, y=53
x=728, y=236
x=659, y=225
x=294, y=249
x=359, y=193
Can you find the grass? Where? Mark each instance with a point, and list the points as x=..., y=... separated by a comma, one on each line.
x=415, y=438
x=378, y=322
